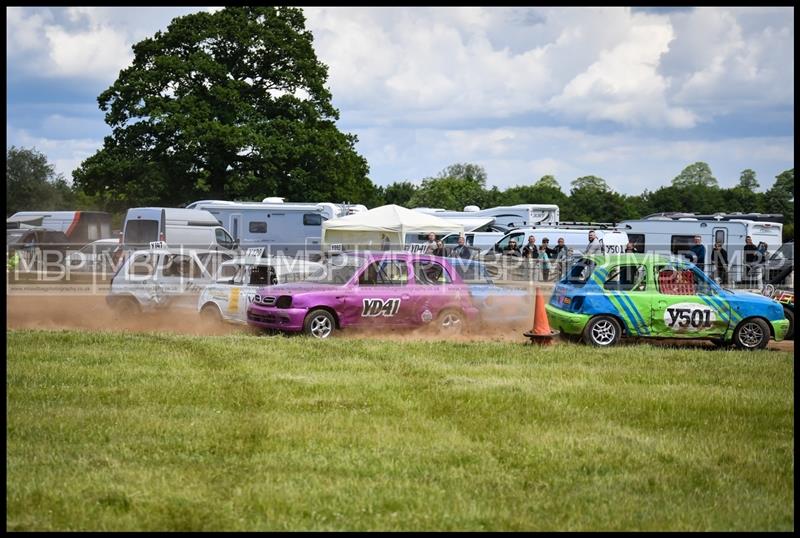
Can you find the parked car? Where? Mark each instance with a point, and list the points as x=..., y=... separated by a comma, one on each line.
x=603, y=299
x=37, y=247
x=238, y=280
x=160, y=278
x=96, y=257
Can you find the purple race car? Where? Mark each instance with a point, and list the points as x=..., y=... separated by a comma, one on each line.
x=375, y=289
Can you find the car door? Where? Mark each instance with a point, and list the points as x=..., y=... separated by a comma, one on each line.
x=433, y=291
x=628, y=288
x=686, y=304
x=382, y=295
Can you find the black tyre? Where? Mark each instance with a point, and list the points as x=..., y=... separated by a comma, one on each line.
x=319, y=324
x=720, y=343
x=126, y=307
x=602, y=331
x=451, y=321
x=788, y=313
x=752, y=333
x=210, y=314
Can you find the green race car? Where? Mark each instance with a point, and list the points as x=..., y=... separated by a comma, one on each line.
x=603, y=298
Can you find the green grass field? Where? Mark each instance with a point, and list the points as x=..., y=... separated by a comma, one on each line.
x=113, y=431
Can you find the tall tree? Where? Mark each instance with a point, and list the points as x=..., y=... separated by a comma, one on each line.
x=399, y=193
x=780, y=199
x=698, y=173
x=456, y=186
x=32, y=183
x=232, y=105
x=747, y=180
x=547, y=181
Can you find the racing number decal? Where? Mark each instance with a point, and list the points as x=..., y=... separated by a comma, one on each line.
x=614, y=249
x=379, y=307
x=689, y=317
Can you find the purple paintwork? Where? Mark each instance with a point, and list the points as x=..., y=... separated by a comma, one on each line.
x=395, y=289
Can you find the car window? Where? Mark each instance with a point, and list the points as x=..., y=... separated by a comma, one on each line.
x=385, y=273
x=142, y=265
x=263, y=275
x=518, y=237
x=228, y=272
x=627, y=278
x=580, y=272
x=176, y=265
x=429, y=273
x=676, y=281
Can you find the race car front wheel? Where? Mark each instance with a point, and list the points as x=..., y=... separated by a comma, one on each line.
x=752, y=333
x=211, y=314
x=602, y=331
x=451, y=322
x=125, y=307
x=319, y=324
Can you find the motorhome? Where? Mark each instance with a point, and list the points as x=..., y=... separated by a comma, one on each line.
x=80, y=227
x=516, y=216
x=663, y=234
x=176, y=227
x=280, y=227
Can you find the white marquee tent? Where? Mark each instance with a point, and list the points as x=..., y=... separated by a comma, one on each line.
x=385, y=224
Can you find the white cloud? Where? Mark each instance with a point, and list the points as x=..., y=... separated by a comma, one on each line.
x=65, y=154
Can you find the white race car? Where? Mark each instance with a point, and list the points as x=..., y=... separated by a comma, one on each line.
x=238, y=280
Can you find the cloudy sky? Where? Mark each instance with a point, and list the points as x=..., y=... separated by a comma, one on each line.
x=631, y=95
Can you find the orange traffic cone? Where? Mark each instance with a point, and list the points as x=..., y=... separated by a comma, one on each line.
x=541, y=331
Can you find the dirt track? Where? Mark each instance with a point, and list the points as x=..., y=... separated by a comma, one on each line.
x=90, y=312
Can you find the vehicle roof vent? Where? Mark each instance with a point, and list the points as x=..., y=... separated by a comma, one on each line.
x=471, y=208
x=272, y=200
x=686, y=218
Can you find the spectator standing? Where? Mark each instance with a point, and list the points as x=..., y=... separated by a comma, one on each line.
x=630, y=248
x=750, y=255
x=561, y=258
x=511, y=249
x=439, y=249
x=719, y=258
x=462, y=250
x=544, y=260
x=697, y=253
x=551, y=252
x=530, y=250
x=560, y=246
x=430, y=246
x=595, y=245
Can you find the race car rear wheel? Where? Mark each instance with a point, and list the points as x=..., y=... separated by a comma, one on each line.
x=451, y=322
x=788, y=313
x=602, y=331
x=752, y=333
x=210, y=313
x=125, y=307
x=319, y=324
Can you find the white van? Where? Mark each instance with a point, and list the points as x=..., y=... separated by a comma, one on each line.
x=190, y=228
x=575, y=239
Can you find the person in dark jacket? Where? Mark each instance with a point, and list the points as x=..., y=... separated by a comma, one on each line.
x=462, y=250
x=551, y=252
x=697, y=253
x=530, y=250
x=719, y=258
x=750, y=256
x=439, y=250
x=511, y=249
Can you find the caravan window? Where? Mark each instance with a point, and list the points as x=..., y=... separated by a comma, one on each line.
x=312, y=219
x=682, y=244
x=638, y=242
x=141, y=232
x=257, y=227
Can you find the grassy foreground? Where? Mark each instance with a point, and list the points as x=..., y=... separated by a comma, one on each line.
x=152, y=431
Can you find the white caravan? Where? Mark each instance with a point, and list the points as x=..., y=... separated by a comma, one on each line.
x=515, y=216
x=280, y=227
x=176, y=227
x=675, y=235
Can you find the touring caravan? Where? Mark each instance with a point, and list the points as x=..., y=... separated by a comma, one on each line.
x=278, y=226
x=508, y=217
x=662, y=234
x=177, y=227
x=80, y=227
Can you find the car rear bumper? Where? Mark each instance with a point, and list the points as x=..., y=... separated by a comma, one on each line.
x=566, y=322
x=283, y=319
